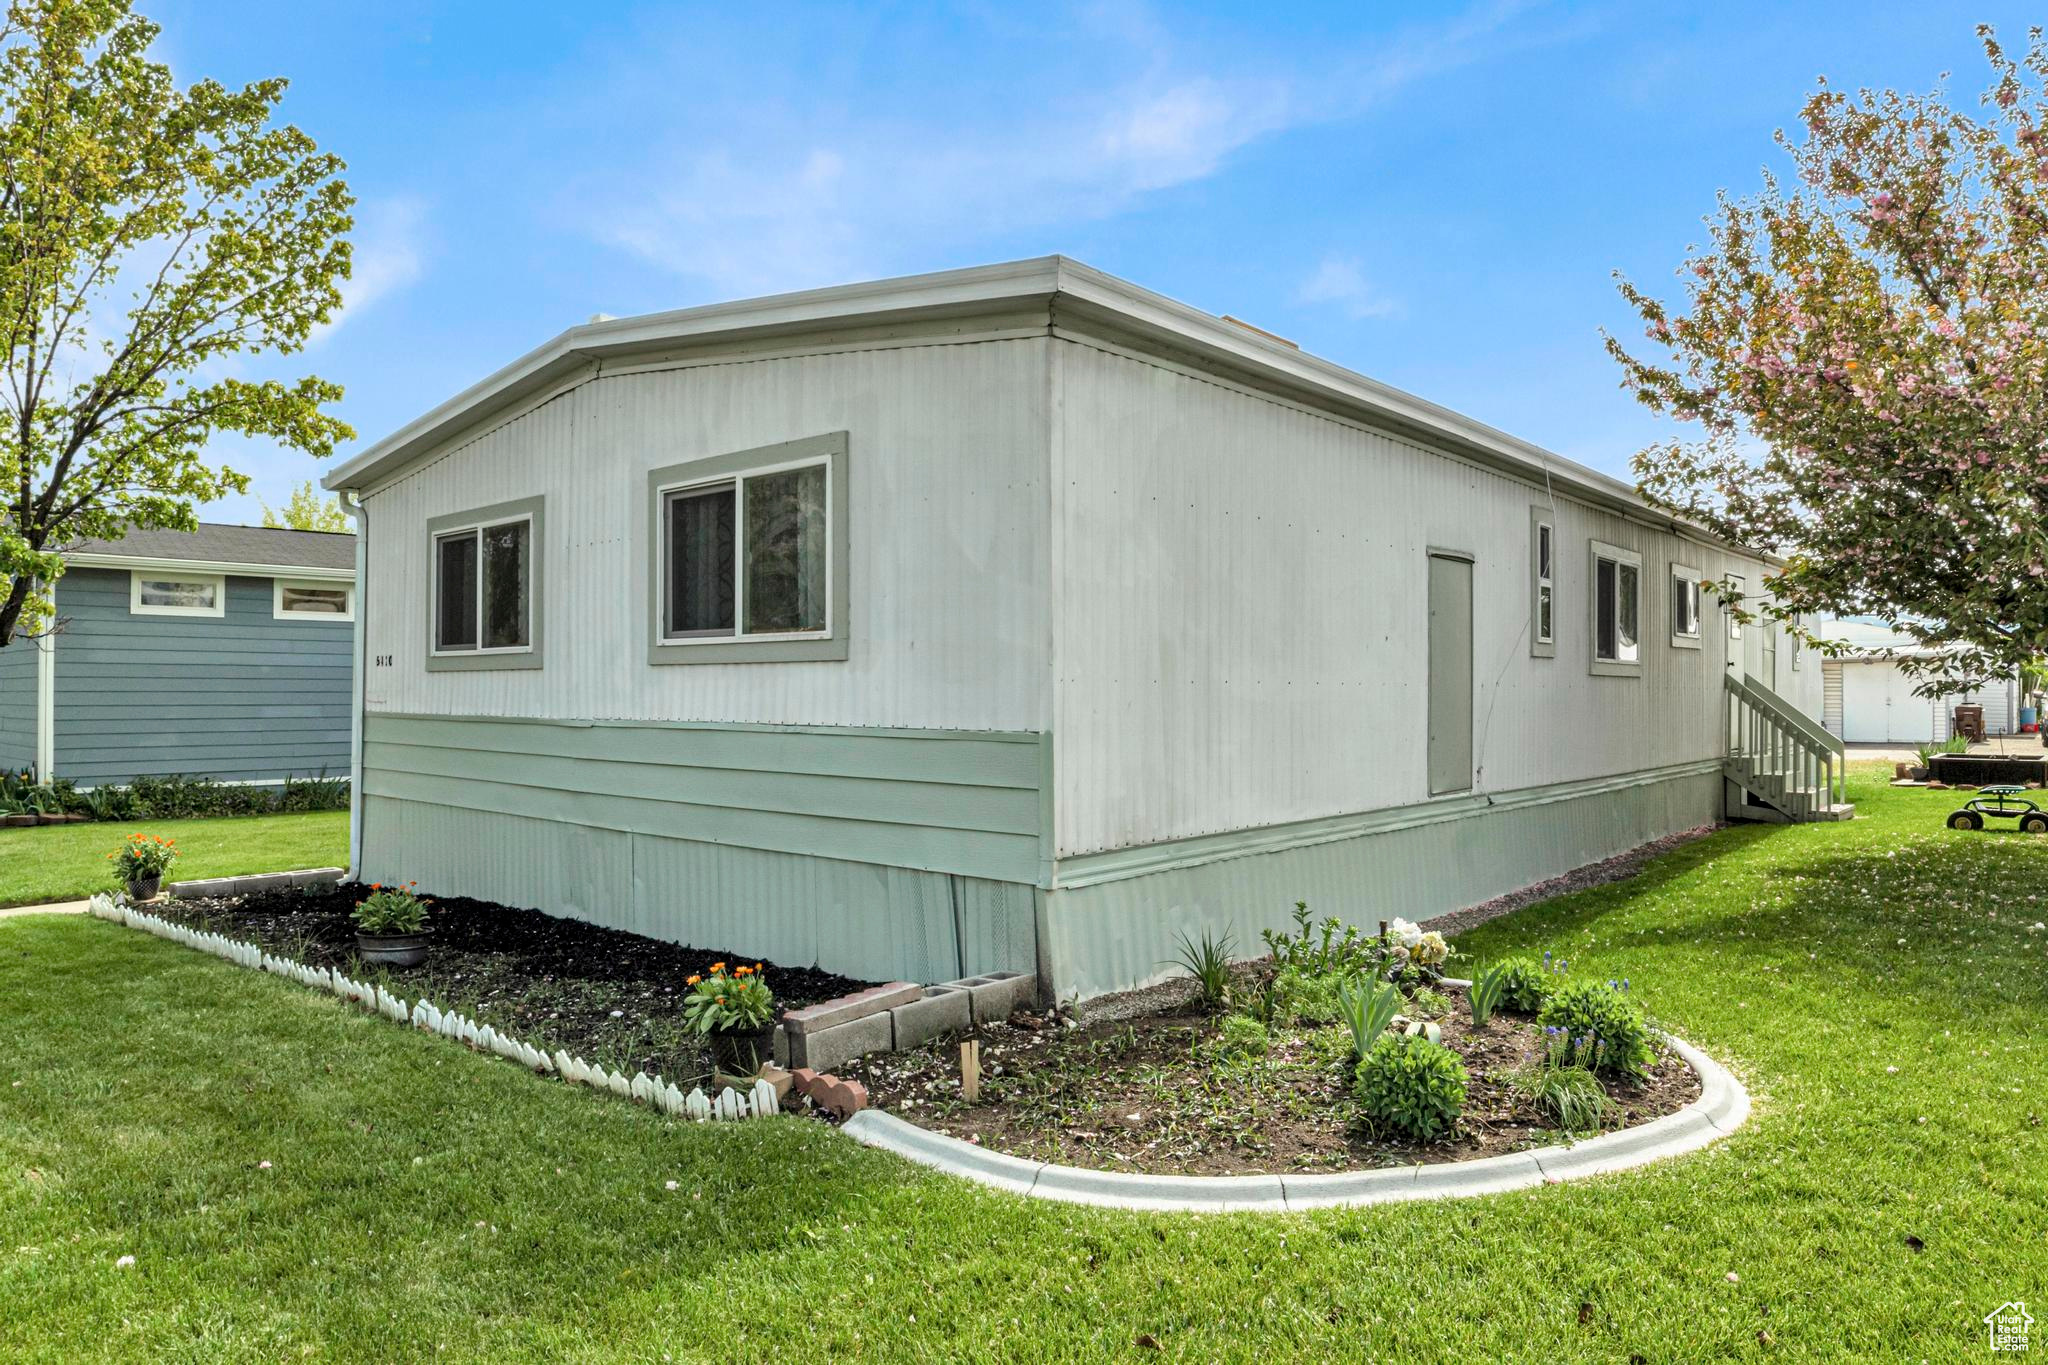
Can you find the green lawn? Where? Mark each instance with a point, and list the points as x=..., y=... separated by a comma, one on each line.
x=69, y=862
x=1876, y=983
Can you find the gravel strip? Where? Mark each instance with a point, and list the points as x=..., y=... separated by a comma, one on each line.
x=1618, y=868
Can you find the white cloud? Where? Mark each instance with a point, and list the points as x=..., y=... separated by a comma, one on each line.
x=389, y=256
x=1339, y=281
x=785, y=182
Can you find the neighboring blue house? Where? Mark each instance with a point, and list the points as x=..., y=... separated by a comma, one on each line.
x=223, y=652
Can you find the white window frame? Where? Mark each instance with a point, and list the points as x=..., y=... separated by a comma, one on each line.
x=1680, y=637
x=277, y=607
x=734, y=471
x=476, y=522
x=137, y=607
x=1542, y=526
x=1619, y=555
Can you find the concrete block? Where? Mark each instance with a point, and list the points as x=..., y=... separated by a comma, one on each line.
x=847, y=1008
x=997, y=995
x=317, y=876
x=944, y=1009
x=823, y=1049
x=212, y=886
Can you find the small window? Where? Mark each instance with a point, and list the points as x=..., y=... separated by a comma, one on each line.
x=485, y=571
x=1685, y=607
x=750, y=555
x=1617, y=609
x=181, y=594
x=312, y=601
x=1542, y=583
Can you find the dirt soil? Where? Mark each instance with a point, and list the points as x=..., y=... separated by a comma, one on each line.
x=605, y=995
x=1141, y=1095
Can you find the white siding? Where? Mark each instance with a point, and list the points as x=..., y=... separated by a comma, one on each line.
x=1240, y=607
x=946, y=468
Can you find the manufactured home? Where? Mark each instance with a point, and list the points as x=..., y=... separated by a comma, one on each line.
x=223, y=652
x=1019, y=618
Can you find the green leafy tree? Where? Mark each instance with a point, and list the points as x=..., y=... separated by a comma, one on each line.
x=1866, y=354
x=147, y=234
x=308, y=509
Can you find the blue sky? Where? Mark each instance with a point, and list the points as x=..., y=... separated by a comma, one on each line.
x=1434, y=195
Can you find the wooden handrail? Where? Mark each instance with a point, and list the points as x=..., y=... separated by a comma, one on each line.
x=1762, y=725
x=1784, y=712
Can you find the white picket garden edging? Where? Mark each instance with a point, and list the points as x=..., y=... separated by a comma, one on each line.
x=729, y=1106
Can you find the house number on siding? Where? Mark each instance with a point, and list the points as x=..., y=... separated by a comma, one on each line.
x=384, y=660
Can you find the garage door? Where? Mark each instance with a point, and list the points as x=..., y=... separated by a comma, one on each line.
x=1878, y=706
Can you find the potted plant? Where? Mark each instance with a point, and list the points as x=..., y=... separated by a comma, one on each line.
x=391, y=926
x=736, y=1011
x=141, y=863
x=1922, y=770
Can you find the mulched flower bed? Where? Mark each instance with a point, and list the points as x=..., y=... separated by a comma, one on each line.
x=1144, y=1095
x=610, y=997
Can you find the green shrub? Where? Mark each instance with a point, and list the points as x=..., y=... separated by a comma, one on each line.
x=1528, y=983
x=1366, y=1007
x=1411, y=1087
x=1570, y=1095
x=1301, y=998
x=177, y=797
x=1597, y=1025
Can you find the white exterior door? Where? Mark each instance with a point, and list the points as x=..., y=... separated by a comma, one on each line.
x=1878, y=706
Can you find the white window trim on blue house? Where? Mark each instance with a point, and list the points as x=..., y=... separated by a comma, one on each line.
x=280, y=612
x=139, y=581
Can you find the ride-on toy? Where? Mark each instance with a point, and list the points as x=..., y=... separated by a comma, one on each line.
x=2004, y=803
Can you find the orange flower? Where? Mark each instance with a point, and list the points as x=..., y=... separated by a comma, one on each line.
x=721, y=1000
x=693, y=981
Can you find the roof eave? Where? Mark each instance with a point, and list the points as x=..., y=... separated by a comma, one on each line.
x=239, y=569
x=936, y=294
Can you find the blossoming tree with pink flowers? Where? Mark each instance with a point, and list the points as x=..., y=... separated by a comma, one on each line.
x=1864, y=353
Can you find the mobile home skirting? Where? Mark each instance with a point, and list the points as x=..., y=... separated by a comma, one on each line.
x=1120, y=932
x=924, y=854
x=877, y=853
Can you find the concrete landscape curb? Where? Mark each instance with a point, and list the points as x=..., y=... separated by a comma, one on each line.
x=1723, y=1106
